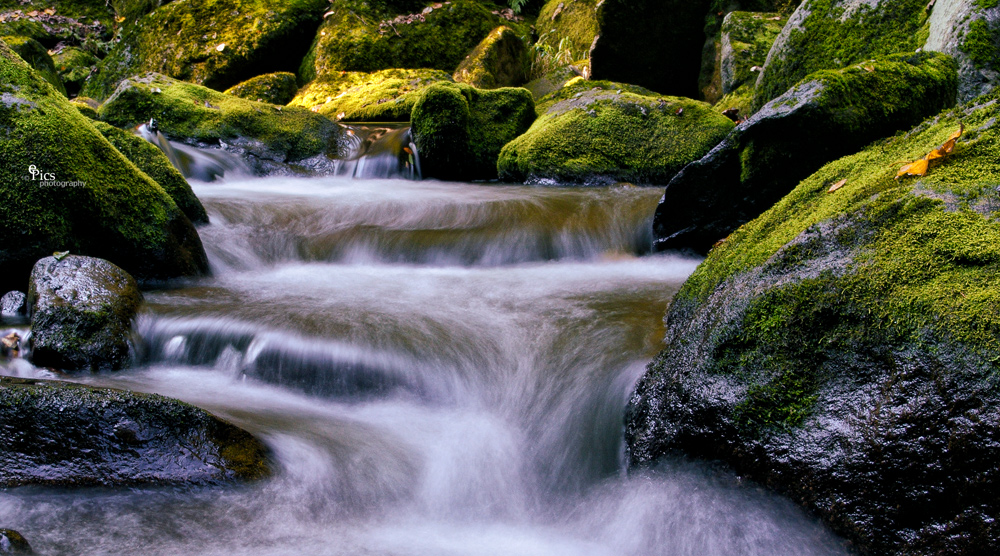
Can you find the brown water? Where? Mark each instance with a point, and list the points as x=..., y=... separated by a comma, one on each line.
x=439, y=369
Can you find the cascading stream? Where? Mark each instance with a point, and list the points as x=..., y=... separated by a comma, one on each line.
x=440, y=369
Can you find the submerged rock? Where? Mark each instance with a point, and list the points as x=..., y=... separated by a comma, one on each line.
x=64, y=187
x=844, y=347
x=12, y=542
x=215, y=44
x=599, y=133
x=381, y=96
x=81, y=312
x=59, y=433
x=196, y=114
x=273, y=88
x=459, y=130
x=827, y=115
x=500, y=60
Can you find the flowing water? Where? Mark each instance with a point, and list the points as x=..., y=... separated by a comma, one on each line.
x=438, y=370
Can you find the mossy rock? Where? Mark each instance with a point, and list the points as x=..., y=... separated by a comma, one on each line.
x=194, y=113
x=653, y=43
x=70, y=21
x=969, y=30
x=74, y=66
x=81, y=311
x=87, y=106
x=597, y=133
x=216, y=44
x=740, y=100
x=94, y=201
x=367, y=38
x=381, y=96
x=550, y=82
x=500, y=60
x=151, y=160
x=459, y=130
x=746, y=39
x=574, y=21
x=844, y=347
x=273, y=88
x=71, y=435
x=834, y=34
x=37, y=56
x=14, y=542
x=827, y=115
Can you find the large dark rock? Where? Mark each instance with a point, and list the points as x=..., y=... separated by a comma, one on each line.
x=844, y=347
x=81, y=311
x=652, y=43
x=58, y=433
x=12, y=542
x=825, y=116
x=64, y=187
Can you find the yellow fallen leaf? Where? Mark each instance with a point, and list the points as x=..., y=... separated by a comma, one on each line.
x=915, y=168
x=836, y=186
x=50, y=11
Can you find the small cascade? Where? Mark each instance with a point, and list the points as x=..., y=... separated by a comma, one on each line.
x=380, y=151
x=194, y=163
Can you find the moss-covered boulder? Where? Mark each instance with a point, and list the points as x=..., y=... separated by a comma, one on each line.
x=372, y=36
x=381, y=96
x=87, y=106
x=500, y=60
x=64, y=187
x=844, y=347
x=746, y=39
x=653, y=43
x=32, y=52
x=969, y=30
x=597, y=133
x=74, y=66
x=459, y=130
x=151, y=160
x=64, y=434
x=194, y=113
x=216, y=44
x=834, y=34
x=14, y=542
x=81, y=311
x=551, y=81
x=827, y=115
x=570, y=23
x=53, y=21
x=274, y=88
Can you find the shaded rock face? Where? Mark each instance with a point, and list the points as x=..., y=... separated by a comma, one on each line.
x=36, y=55
x=600, y=133
x=827, y=115
x=84, y=196
x=969, y=30
x=12, y=542
x=500, y=60
x=57, y=433
x=459, y=130
x=380, y=96
x=74, y=66
x=746, y=38
x=81, y=311
x=833, y=34
x=274, y=88
x=216, y=44
x=842, y=348
x=655, y=44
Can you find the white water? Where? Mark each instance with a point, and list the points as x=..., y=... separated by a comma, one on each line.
x=439, y=369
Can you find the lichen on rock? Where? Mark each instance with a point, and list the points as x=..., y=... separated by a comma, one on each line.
x=274, y=88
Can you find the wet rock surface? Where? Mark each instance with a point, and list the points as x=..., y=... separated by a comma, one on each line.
x=58, y=433
x=12, y=542
x=81, y=313
x=12, y=304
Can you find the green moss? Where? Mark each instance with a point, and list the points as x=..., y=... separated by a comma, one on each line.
x=500, y=60
x=215, y=43
x=112, y=210
x=982, y=44
x=460, y=130
x=750, y=36
x=600, y=131
x=572, y=20
x=360, y=37
x=381, y=96
x=741, y=99
x=87, y=106
x=274, y=88
x=74, y=66
x=550, y=82
x=831, y=38
x=151, y=160
x=189, y=111
x=987, y=4
x=37, y=56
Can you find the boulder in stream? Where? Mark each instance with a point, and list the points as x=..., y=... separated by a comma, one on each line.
x=598, y=133
x=827, y=115
x=274, y=88
x=64, y=434
x=12, y=542
x=843, y=348
x=64, y=187
x=81, y=311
